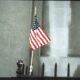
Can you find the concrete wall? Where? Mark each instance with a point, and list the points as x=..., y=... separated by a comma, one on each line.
x=74, y=31
x=57, y=17
x=58, y=14
x=15, y=23
x=61, y=22
x=63, y=28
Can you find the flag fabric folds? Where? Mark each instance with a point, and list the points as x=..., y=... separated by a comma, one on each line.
x=37, y=37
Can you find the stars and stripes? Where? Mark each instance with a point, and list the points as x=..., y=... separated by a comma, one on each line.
x=37, y=37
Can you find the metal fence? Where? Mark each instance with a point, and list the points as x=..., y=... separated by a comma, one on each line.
x=20, y=75
x=55, y=70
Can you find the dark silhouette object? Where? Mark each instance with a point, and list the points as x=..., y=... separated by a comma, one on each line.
x=20, y=69
x=55, y=70
x=43, y=67
x=68, y=70
x=26, y=72
x=31, y=74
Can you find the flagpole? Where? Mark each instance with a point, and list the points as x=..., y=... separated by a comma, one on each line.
x=31, y=65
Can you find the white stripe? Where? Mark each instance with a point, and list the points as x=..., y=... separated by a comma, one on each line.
x=42, y=37
x=32, y=45
x=35, y=36
x=39, y=40
x=44, y=34
x=33, y=41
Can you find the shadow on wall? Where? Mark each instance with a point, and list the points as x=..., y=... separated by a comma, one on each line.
x=46, y=27
x=77, y=72
x=74, y=55
x=45, y=50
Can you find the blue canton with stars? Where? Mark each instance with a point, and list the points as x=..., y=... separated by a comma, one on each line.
x=35, y=24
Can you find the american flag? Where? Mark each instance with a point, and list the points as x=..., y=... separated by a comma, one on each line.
x=37, y=37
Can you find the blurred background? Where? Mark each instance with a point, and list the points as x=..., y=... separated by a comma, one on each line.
x=60, y=20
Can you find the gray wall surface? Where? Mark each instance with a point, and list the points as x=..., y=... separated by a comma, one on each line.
x=15, y=23
x=57, y=27
x=74, y=30
x=64, y=30
x=61, y=22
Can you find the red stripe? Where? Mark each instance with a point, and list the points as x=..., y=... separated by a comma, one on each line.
x=33, y=44
x=29, y=45
x=46, y=34
x=29, y=42
x=37, y=39
x=34, y=40
x=41, y=38
x=43, y=35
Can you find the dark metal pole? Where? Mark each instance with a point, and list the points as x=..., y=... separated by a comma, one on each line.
x=43, y=66
x=68, y=70
x=26, y=72
x=55, y=70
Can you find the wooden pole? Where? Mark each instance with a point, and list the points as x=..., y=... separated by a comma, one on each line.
x=35, y=11
x=31, y=65
x=30, y=50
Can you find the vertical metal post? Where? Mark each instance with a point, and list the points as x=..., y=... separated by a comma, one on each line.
x=43, y=67
x=55, y=70
x=26, y=72
x=68, y=70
